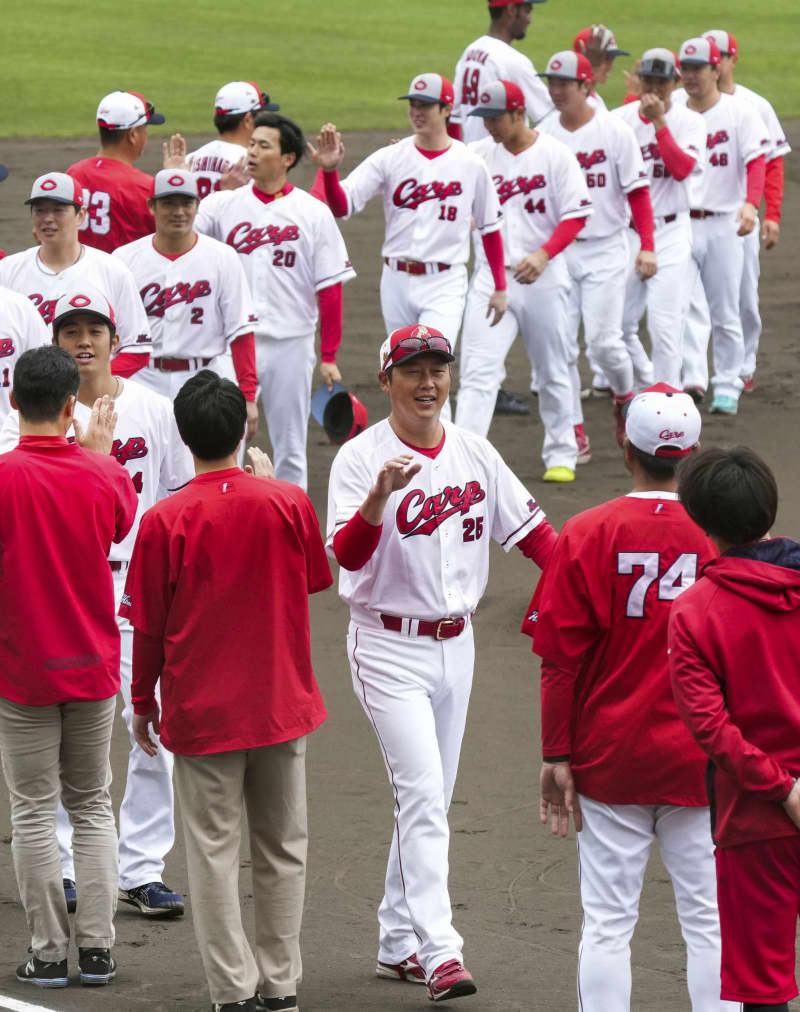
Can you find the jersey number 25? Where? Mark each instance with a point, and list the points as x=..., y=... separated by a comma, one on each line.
x=678, y=577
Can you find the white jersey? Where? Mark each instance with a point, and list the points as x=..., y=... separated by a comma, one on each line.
x=668, y=195
x=537, y=189
x=596, y=99
x=21, y=328
x=612, y=165
x=210, y=163
x=735, y=136
x=196, y=303
x=290, y=248
x=432, y=560
x=428, y=203
x=779, y=146
x=486, y=60
x=25, y=273
x=146, y=443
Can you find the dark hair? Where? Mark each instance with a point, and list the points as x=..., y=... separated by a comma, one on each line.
x=292, y=140
x=656, y=467
x=731, y=494
x=44, y=379
x=226, y=122
x=109, y=138
x=211, y=415
x=66, y=319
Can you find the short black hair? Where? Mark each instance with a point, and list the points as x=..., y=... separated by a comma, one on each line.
x=108, y=138
x=211, y=414
x=731, y=494
x=656, y=467
x=227, y=122
x=291, y=136
x=44, y=379
x=112, y=332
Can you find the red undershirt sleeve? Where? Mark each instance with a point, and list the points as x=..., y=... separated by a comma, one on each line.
x=630, y=97
x=493, y=248
x=330, y=321
x=148, y=660
x=563, y=234
x=355, y=543
x=538, y=545
x=335, y=197
x=454, y=130
x=318, y=189
x=243, y=352
x=129, y=362
x=678, y=163
x=642, y=213
x=557, y=694
x=756, y=173
x=773, y=188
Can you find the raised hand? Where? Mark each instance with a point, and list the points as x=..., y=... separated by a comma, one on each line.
x=330, y=150
x=99, y=434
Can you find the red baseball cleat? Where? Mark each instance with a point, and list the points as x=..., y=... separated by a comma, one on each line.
x=450, y=980
x=409, y=970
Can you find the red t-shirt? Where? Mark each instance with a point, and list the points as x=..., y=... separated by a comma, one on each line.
x=60, y=509
x=600, y=617
x=115, y=195
x=221, y=573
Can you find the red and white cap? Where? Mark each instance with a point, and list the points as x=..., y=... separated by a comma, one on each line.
x=408, y=342
x=431, y=88
x=659, y=62
x=499, y=97
x=570, y=66
x=83, y=300
x=604, y=37
x=169, y=182
x=663, y=422
x=122, y=110
x=699, y=51
x=726, y=43
x=56, y=186
x=242, y=96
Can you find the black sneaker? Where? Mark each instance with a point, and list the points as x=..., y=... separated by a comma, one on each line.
x=70, y=895
x=43, y=974
x=97, y=967
x=285, y=1004
x=508, y=404
x=248, y=1004
x=154, y=899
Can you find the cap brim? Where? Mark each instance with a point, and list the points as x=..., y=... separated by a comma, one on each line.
x=156, y=119
x=320, y=400
x=564, y=77
x=269, y=107
x=423, y=351
x=694, y=63
x=421, y=98
x=58, y=200
x=617, y=52
x=657, y=73
x=75, y=312
x=486, y=113
x=3, y=173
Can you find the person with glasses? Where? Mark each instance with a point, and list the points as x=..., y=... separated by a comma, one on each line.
x=413, y=502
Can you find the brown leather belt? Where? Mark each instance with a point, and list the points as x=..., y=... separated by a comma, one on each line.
x=415, y=266
x=441, y=629
x=667, y=219
x=702, y=214
x=179, y=364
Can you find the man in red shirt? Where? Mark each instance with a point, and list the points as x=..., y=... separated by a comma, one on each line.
x=61, y=506
x=236, y=709
x=734, y=643
x=616, y=754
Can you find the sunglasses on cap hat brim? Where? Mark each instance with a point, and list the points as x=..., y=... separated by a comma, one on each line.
x=657, y=68
x=413, y=346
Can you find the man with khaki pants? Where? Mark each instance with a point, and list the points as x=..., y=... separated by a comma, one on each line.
x=236, y=708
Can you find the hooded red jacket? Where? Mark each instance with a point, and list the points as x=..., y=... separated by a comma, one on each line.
x=734, y=640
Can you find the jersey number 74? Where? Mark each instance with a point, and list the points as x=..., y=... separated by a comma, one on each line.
x=677, y=578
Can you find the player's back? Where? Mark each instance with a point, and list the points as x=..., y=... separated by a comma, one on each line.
x=211, y=161
x=115, y=196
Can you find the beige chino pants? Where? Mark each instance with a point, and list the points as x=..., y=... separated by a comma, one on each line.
x=215, y=791
x=52, y=752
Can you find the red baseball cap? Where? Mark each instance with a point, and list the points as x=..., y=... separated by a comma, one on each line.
x=726, y=43
x=605, y=37
x=569, y=66
x=83, y=300
x=408, y=342
x=497, y=98
x=56, y=186
x=431, y=88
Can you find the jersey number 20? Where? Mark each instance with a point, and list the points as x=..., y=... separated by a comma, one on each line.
x=678, y=577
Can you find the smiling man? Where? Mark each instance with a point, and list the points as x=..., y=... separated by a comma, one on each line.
x=413, y=503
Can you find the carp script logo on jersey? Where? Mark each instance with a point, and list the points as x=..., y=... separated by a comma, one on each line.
x=245, y=237
x=163, y=299
x=508, y=188
x=131, y=449
x=410, y=194
x=418, y=514
x=46, y=307
x=720, y=137
x=587, y=160
x=6, y=347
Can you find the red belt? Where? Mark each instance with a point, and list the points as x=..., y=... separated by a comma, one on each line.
x=178, y=364
x=667, y=219
x=117, y=566
x=702, y=214
x=441, y=629
x=415, y=266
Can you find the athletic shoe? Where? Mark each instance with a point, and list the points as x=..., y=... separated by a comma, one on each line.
x=696, y=393
x=43, y=974
x=584, y=448
x=621, y=405
x=97, y=967
x=409, y=970
x=559, y=473
x=286, y=1004
x=450, y=980
x=508, y=404
x=722, y=405
x=70, y=895
x=599, y=392
x=748, y=384
x=248, y=1004
x=154, y=899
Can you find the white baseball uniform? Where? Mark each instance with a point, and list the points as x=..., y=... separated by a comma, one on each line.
x=612, y=164
x=432, y=561
x=21, y=328
x=210, y=163
x=25, y=273
x=537, y=189
x=290, y=248
x=735, y=136
x=147, y=444
x=665, y=296
x=488, y=59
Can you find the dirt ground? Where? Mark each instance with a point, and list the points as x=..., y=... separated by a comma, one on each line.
x=514, y=888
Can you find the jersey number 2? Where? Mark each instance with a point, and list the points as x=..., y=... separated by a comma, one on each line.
x=680, y=575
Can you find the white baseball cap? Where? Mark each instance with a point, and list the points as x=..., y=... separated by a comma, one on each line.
x=726, y=43
x=569, y=66
x=86, y=299
x=663, y=422
x=431, y=88
x=659, y=62
x=57, y=186
x=238, y=97
x=699, y=51
x=499, y=97
x=122, y=110
x=171, y=181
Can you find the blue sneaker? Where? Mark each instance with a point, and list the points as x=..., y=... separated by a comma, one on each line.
x=154, y=899
x=722, y=405
x=43, y=974
x=70, y=895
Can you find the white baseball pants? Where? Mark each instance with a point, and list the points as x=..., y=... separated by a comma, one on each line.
x=613, y=850
x=539, y=313
x=415, y=692
x=598, y=270
x=146, y=816
x=717, y=265
x=748, y=300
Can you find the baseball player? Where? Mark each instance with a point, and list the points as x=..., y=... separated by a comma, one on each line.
x=672, y=141
x=545, y=204
x=412, y=505
x=598, y=44
x=491, y=58
x=617, y=757
x=21, y=328
x=147, y=444
x=618, y=184
x=724, y=210
x=61, y=262
x=195, y=294
x=218, y=164
x=295, y=261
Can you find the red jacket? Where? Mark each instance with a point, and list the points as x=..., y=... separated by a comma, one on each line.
x=734, y=642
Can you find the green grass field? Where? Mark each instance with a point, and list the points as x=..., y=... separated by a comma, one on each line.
x=345, y=61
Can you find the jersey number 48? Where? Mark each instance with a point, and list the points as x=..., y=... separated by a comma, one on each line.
x=677, y=578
